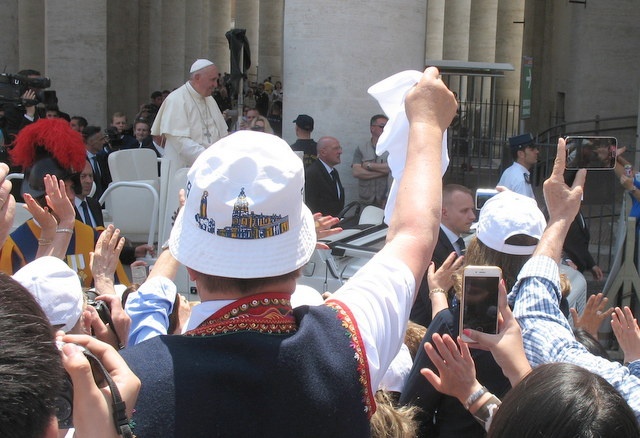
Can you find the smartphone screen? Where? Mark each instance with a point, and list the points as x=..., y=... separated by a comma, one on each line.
x=479, y=306
x=593, y=153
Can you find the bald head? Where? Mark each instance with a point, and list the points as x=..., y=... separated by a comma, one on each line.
x=329, y=150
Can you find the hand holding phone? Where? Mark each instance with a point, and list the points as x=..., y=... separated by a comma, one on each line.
x=479, y=304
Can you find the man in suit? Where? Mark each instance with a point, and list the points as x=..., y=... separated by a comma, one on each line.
x=323, y=190
x=458, y=213
x=94, y=143
x=87, y=208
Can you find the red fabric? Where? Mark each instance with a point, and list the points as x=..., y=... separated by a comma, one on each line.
x=56, y=136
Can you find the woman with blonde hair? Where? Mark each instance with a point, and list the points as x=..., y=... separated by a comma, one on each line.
x=261, y=124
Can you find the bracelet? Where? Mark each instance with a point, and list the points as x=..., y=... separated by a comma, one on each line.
x=474, y=397
x=437, y=290
x=485, y=413
x=44, y=242
x=65, y=230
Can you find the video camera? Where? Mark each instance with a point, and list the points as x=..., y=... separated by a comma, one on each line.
x=114, y=138
x=13, y=86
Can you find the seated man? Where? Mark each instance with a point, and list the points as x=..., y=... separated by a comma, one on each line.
x=248, y=362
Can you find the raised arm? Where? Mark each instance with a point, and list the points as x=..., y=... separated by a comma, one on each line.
x=563, y=204
x=413, y=230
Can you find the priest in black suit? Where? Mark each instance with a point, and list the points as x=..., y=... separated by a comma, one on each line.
x=458, y=213
x=323, y=191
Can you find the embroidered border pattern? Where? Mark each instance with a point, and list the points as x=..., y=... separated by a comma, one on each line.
x=269, y=315
x=360, y=355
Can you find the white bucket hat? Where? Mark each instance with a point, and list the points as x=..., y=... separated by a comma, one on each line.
x=508, y=214
x=244, y=216
x=56, y=287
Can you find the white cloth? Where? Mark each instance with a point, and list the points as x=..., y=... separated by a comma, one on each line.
x=513, y=179
x=390, y=93
x=191, y=123
x=398, y=371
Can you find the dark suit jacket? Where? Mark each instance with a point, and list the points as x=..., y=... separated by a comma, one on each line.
x=320, y=192
x=147, y=143
x=576, y=244
x=96, y=212
x=421, y=310
x=104, y=179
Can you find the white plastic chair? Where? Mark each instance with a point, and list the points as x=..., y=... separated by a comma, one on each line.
x=133, y=208
x=134, y=165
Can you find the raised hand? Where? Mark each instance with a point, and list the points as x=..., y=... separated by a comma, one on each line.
x=593, y=315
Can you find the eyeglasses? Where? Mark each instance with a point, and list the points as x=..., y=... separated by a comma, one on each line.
x=380, y=126
x=258, y=128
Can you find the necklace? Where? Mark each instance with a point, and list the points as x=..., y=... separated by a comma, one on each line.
x=205, y=128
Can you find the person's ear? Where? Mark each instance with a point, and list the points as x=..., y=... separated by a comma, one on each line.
x=193, y=275
x=51, y=431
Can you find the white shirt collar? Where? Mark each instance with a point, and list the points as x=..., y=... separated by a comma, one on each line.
x=200, y=312
x=326, y=166
x=453, y=237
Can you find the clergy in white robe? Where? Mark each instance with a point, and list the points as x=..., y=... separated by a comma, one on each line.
x=189, y=117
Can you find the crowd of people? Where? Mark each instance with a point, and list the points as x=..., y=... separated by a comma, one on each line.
x=261, y=355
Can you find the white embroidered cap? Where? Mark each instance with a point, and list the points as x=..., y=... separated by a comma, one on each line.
x=199, y=65
x=508, y=214
x=56, y=287
x=244, y=216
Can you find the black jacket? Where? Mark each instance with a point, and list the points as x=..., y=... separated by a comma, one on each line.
x=320, y=193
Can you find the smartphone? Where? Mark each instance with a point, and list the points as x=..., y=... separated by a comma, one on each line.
x=479, y=304
x=591, y=153
x=483, y=195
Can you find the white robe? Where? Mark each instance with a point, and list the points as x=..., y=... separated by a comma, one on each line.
x=190, y=123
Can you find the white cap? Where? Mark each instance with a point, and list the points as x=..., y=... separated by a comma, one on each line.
x=508, y=214
x=56, y=287
x=199, y=65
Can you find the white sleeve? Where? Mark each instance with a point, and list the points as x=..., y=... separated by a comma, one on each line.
x=380, y=297
x=188, y=149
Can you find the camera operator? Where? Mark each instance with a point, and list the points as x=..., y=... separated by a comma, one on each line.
x=18, y=116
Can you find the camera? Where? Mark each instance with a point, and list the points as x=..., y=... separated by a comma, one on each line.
x=63, y=403
x=13, y=86
x=113, y=138
x=101, y=307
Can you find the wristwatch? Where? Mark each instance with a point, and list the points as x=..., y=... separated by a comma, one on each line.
x=368, y=166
